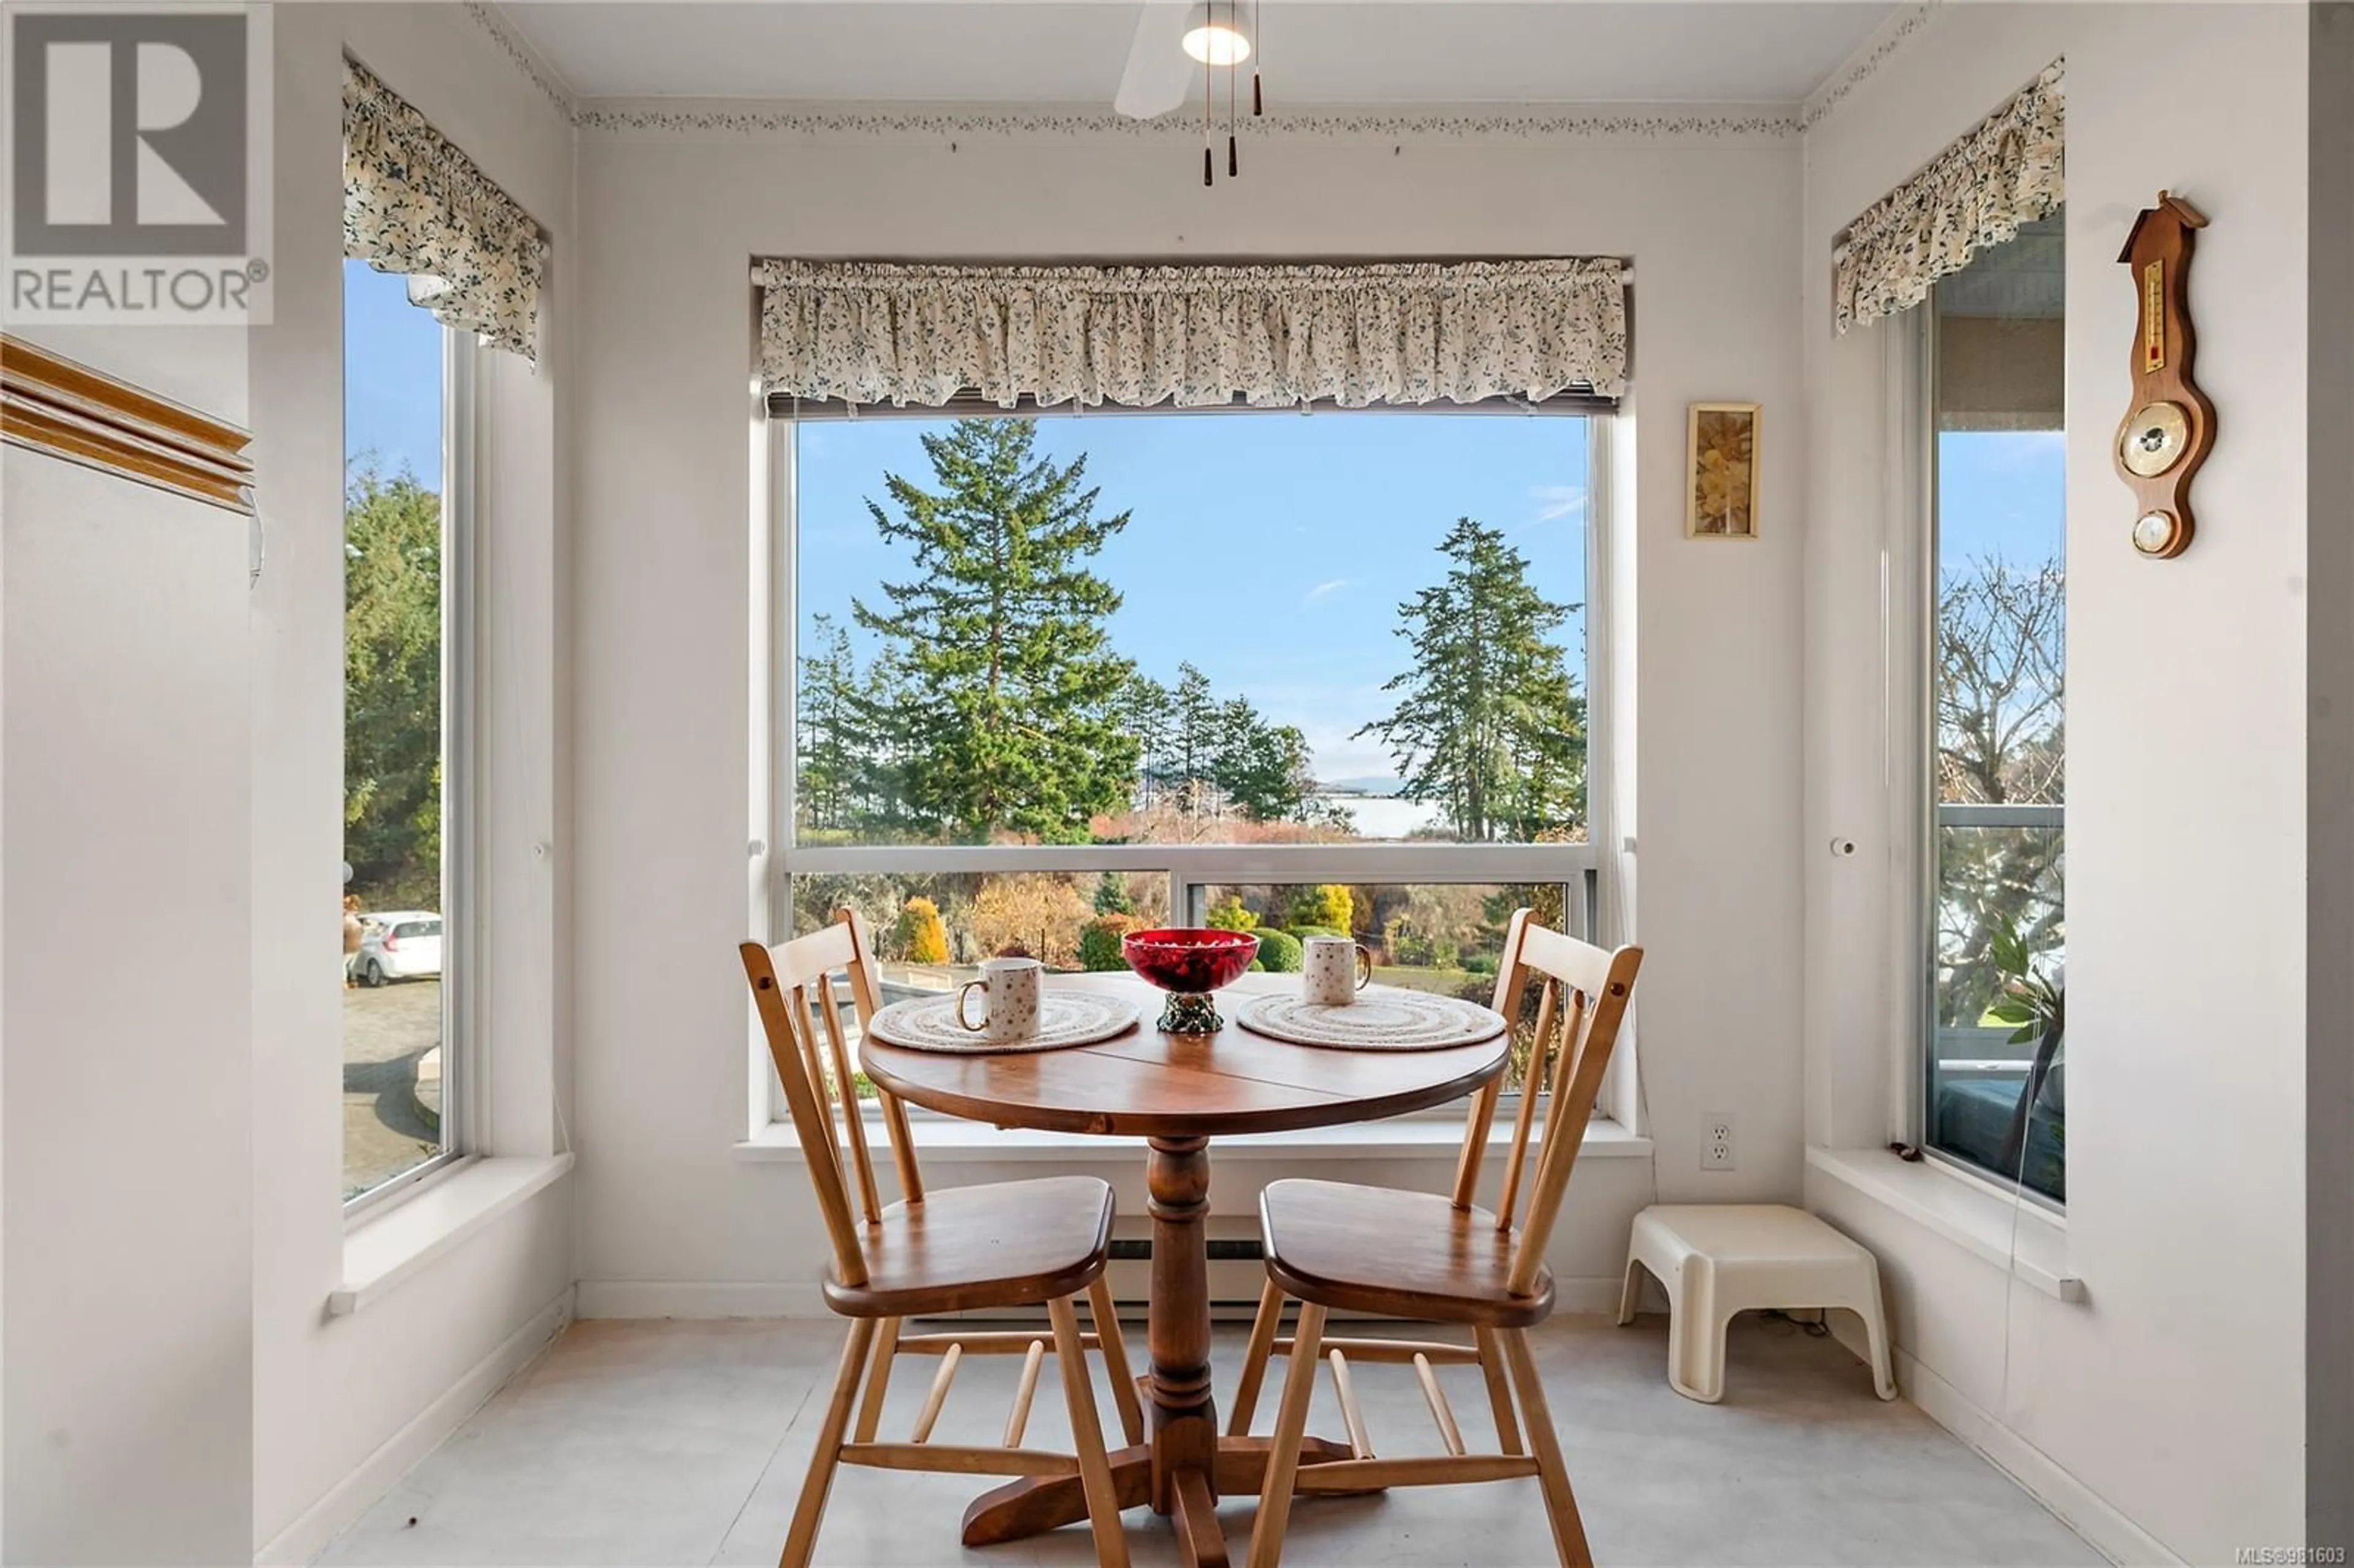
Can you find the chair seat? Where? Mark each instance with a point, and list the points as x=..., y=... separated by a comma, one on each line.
x=1404, y=1255
x=1004, y=1244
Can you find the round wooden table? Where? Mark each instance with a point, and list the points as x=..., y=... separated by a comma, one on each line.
x=1177, y=1092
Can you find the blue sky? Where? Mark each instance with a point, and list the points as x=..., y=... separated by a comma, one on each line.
x=392, y=375
x=1271, y=550
x=2001, y=492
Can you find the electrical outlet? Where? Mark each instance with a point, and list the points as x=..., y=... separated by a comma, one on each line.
x=1716, y=1141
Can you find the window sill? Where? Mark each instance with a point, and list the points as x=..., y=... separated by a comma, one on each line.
x=384, y=1250
x=2012, y=1234
x=948, y=1141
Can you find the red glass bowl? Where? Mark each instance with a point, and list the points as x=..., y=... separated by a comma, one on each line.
x=1189, y=962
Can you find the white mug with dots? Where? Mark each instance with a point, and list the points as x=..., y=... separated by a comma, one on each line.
x=1333, y=970
x=1010, y=989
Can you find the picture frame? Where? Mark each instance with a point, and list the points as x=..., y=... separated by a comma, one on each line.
x=1721, y=470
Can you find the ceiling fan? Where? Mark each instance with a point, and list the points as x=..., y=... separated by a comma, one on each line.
x=1175, y=40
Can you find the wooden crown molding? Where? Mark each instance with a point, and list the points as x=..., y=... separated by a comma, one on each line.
x=49, y=404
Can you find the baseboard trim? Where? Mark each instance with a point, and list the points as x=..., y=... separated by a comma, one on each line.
x=790, y=1298
x=700, y=1299
x=374, y=1476
x=2070, y=1500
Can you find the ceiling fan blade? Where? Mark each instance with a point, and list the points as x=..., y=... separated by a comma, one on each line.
x=1159, y=71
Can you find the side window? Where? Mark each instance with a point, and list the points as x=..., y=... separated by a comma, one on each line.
x=397, y=587
x=1996, y=1078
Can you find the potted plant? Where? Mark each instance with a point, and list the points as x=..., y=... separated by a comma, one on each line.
x=2037, y=1004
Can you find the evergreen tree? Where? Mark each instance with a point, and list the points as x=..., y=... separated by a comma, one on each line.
x=1112, y=896
x=1007, y=716
x=1214, y=756
x=1263, y=769
x=1147, y=711
x=879, y=714
x=1489, y=721
x=832, y=756
x=1193, y=740
x=392, y=688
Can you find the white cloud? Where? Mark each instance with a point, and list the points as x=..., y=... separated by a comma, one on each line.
x=1324, y=591
x=1556, y=502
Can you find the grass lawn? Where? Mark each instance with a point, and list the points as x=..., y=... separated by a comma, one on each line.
x=1418, y=977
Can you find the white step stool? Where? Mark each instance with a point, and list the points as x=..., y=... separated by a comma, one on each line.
x=1716, y=1259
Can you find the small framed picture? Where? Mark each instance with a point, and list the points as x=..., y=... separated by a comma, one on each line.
x=1721, y=471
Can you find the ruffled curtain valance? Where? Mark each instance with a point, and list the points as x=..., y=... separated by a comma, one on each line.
x=2008, y=170
x=1192, y=336
x=414, y=204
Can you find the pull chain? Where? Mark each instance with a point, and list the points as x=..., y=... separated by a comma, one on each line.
x=1209, y=160
x=1258, y=53
x=1233, y=20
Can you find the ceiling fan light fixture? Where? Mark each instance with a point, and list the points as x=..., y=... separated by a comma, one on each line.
x=1216, y=42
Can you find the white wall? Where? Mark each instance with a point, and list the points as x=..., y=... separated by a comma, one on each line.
x=123, y=775
x=123, y=1011
x=328, y=1394
x=2175, y=1394
x=669, y=222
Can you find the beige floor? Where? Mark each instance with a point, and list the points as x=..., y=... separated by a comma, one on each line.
x=684, y=1442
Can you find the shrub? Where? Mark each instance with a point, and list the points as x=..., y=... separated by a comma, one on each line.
x=1112, y=896
x=1228, y=914
x=1038, y=911
x=1099, y=941
x=1326, y=904
x=1410, y=945
x=922, y=935
x=1480, y=964
x=1278, y=952
x=1303, y=932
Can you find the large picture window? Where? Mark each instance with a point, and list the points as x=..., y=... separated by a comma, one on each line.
x=1049, y=678
x=1996, y=1072
x=406, y=393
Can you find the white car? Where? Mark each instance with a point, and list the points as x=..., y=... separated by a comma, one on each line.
x=399, y=944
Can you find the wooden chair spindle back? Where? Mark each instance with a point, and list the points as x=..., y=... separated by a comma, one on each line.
x=1583, y=996
x=793, y=990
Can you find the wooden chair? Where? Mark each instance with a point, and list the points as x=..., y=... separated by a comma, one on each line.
x=1011, y=1244
x=1421, y=1256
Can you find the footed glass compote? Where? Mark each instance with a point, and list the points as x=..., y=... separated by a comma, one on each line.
x=1189, y=964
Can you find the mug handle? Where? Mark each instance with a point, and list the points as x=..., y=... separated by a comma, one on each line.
x=964, y=992
x=1364, y=966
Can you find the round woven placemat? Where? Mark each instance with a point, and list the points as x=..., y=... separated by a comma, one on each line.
x=1383, y=1018
x=1065, y=1018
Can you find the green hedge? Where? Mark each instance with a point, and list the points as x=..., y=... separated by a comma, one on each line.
x=1279, y=952
x=1099, y=941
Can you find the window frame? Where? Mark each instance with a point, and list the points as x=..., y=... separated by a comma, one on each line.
x=460, y=706
x=1913, y=364
x=1191, y=869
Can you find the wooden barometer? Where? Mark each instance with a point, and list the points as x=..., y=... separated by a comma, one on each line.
x=2166, y=437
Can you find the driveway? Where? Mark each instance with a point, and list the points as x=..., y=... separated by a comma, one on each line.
x=386, y=1032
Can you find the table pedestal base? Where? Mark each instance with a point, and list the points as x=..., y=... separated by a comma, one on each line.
x=1033, y=1506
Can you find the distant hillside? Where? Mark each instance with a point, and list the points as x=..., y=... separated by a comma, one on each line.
x=1377, y=786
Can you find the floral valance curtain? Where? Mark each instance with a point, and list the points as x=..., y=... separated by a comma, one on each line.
x=2008, y=170
x=414, y=204
x=1192, y=336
